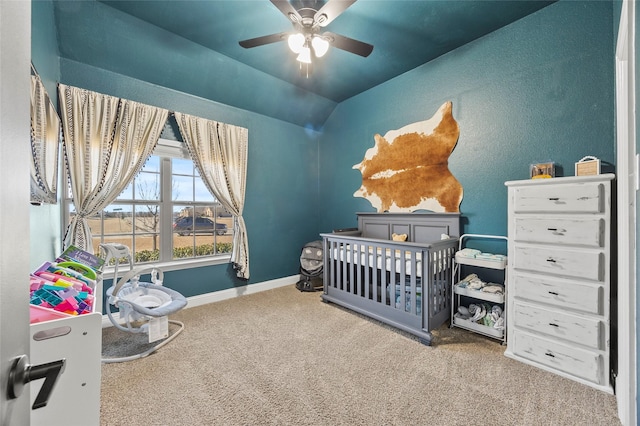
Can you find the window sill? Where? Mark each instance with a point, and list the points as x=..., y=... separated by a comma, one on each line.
x=174, y=265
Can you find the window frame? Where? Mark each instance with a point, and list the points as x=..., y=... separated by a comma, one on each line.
x=166, y=150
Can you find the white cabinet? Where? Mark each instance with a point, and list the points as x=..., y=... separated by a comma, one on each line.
x=464, y=295
x=560, y=276
x=75, y=398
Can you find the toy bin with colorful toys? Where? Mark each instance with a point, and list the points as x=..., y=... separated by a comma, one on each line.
x=66, y=324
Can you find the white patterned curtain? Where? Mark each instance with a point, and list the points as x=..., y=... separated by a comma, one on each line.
x=45, y=145
x=106, y=142
x=219, y=151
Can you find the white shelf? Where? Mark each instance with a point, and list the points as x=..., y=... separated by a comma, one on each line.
x=483, y=263
x=478, y=294
x=478, y=328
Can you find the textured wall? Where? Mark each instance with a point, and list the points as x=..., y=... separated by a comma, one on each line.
x=153, y=55
x=46, y=239
x=539, y=89
x=281, y=200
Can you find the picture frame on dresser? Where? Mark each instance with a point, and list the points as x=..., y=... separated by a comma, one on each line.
x=542, y=170
x=560, y=277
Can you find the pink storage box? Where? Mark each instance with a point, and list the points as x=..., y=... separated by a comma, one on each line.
x=40, y=314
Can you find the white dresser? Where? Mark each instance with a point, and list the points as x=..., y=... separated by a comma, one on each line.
x=559, y=276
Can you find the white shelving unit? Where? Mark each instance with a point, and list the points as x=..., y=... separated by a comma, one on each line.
x=75, y=398
x=477, y=265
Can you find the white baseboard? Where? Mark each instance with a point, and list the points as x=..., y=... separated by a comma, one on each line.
x=230, y=293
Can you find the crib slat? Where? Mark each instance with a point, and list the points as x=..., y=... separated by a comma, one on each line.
x=350, y=277
x=329, y=279
x=402, y=285
x=414, y=284
x=340, y=268
x=364, y=268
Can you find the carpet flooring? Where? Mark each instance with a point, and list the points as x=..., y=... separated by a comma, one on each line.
x=282, y=357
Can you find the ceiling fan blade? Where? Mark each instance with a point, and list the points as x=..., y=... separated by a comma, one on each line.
x=330, y=11
x=287, y=10
x=260, y=41
x=348, y=44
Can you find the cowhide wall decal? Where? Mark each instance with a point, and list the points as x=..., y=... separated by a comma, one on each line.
x=408, y=169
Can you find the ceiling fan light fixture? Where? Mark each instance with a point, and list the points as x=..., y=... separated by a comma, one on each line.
x=296, y=42
x=306, y=69
x=320, y=46
x=307, y=19
x=321, y=19
x=305, y=54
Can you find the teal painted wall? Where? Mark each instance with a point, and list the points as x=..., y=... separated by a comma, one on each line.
x=45, y=228
x=539, y=89
x=281, y=201
x=44, y=48
x=180, y=64
x=281, y=205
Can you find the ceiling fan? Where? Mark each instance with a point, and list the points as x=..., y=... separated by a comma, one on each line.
x=306, y=37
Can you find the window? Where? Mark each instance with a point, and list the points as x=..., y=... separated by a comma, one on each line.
x=166, y=215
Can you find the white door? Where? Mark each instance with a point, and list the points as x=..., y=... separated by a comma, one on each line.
x=626, y=384
x=15, y=52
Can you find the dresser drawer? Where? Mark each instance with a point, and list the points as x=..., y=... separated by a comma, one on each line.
x=573, y=328
x=587, y=264
x=567, y=198
x=587, y=232
x=557, y=292
x=581, y=363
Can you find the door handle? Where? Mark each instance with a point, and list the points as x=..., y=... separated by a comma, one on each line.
x=22, y=373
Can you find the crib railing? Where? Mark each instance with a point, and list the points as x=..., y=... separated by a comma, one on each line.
x=399, y=278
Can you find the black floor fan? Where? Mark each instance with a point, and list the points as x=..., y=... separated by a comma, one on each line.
x=311, y=265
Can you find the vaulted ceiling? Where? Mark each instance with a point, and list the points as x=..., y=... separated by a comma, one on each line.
x=192, y=46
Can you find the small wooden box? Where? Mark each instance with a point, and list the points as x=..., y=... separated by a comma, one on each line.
x=588, y=167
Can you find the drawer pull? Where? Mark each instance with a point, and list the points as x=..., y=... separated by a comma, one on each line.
x=550, y=354
x=557, y=231
x=551, y=259
x=553, y=325
x=553, y=198
x=554, y=293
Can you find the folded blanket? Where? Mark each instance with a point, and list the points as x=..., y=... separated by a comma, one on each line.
x=471, y=281
x=493, y=288
x=468, y=252
x=490, y=256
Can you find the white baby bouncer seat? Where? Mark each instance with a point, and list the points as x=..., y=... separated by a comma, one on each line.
x=141, y=305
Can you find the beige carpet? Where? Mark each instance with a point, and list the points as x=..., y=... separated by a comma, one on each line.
x=283, y=357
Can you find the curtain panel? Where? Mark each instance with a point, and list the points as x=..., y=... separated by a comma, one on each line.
x=219, y=151
x=106, y=143
x=46, y=134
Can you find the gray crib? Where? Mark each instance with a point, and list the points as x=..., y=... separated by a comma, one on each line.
x=404, y=284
